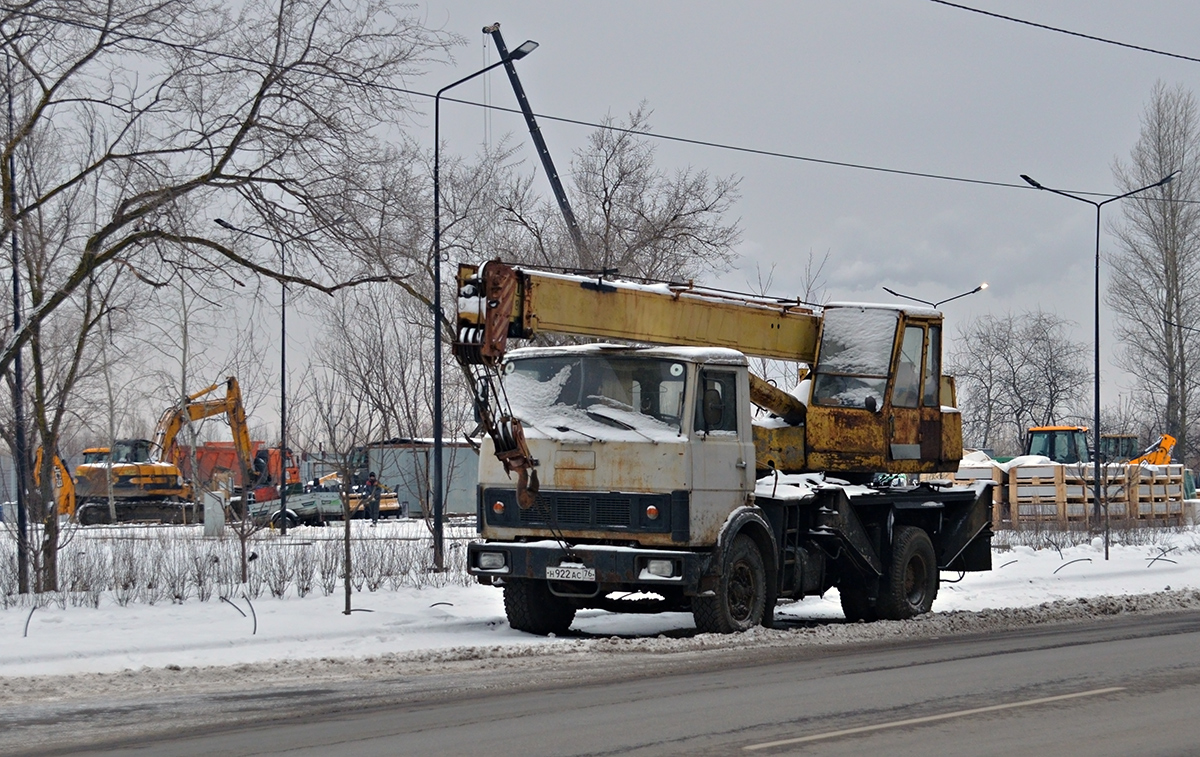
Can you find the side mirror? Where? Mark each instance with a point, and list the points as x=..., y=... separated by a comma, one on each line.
x=871, y=404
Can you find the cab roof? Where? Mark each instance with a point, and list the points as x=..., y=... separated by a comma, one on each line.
x=713, y=355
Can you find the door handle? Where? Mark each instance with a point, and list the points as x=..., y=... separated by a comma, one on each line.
x=741, y=464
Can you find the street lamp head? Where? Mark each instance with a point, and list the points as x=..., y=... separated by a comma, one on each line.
x=981, y=287
x=1167, y=179
x=225, y=224
x=524, y=49
x=1031, y=182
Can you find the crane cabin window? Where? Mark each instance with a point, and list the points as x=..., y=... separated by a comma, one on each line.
x=716, y=403
x=907, y=387
x=933, y=368
x=856, y=350
x=594, y=393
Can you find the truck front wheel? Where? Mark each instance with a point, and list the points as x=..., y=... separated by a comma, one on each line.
x=911, y=580
x=531, y=607
x=740, y=600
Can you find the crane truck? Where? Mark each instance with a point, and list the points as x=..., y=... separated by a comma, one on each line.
x=140, y=474
x=611, y=470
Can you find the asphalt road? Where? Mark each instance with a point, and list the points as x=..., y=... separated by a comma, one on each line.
x=1114, y=686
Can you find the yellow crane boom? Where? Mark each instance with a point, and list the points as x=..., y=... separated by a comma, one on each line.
x=667, y=314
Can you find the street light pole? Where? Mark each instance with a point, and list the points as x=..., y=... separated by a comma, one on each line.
x=283, y=466
x=18, y=390
x=1096, y=344
x=438, y=501
x=979, y=288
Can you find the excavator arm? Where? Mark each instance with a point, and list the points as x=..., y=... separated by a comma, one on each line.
x=193, y=408
x=1158, y=453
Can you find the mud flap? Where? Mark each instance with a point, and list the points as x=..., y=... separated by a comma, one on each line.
x=965, y=542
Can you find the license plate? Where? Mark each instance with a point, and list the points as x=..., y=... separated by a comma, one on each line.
x=570, y=573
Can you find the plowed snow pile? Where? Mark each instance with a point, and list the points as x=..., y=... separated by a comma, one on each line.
x=311, y=638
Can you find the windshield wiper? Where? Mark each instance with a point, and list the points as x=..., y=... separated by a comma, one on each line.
x=610, y=420
x=568, y=429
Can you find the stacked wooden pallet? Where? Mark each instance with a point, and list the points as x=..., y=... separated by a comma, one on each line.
x=1041, y=491
x=1158, y=493
x=1143, y=492
x=1047, y=491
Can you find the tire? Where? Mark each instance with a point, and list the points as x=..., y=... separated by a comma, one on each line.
x=856, y=604
x=911, y=581
x=291, y=521
x=531, y=607
x=740, y=601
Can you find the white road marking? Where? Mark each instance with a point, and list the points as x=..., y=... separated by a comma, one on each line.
x=930, y=718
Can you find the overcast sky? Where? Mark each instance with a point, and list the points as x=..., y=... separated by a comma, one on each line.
x=905, y=84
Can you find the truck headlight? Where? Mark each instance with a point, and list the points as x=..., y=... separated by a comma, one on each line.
x=491, y=560
x=660, y=568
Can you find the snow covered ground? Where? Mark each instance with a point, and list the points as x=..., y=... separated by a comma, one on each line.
x=457, y=620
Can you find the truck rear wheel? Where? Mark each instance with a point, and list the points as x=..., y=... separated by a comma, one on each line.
x=740, y=601
x=911, y=580
x=531, y=607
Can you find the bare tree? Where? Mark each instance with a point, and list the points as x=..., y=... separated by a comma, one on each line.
x=1156, y=268
x=266, y=106
x=340, y=421
x=63, y=357
x=1015, y=372
x=379, y=348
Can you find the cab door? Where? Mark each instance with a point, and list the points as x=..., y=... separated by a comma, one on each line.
x=904, y=414
x=722, y=455
x=931, y=400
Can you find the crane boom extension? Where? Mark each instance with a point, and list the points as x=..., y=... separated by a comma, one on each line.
x=522, y=303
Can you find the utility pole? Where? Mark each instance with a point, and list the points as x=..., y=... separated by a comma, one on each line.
x=536, y=133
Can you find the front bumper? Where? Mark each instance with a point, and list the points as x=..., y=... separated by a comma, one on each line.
x=617, y=568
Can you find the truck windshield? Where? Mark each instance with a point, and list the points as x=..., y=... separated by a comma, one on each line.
x=598, y=395
x=856, y=348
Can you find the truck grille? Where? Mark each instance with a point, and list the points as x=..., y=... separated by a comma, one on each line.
x=571, y=509
x=596, y=511
x=612, y=511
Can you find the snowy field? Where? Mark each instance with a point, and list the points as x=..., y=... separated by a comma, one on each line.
x=416, y=615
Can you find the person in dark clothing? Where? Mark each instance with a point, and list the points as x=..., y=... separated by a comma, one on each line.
x=372, y=491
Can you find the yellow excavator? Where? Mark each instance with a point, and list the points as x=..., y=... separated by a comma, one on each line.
x=140, y=477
